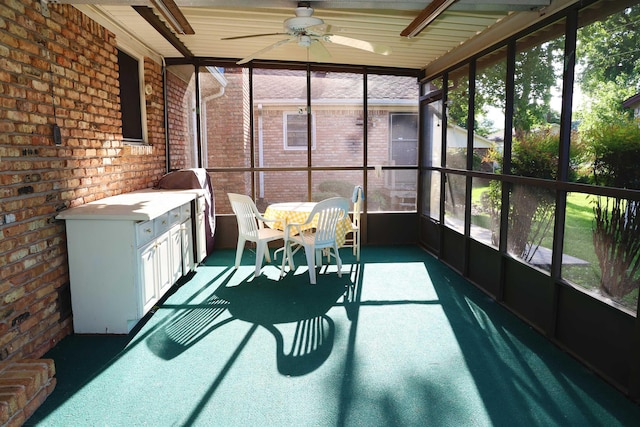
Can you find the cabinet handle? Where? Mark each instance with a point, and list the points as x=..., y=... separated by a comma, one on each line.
x=147, y=230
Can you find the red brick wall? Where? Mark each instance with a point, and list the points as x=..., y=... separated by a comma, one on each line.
x=180, y=98
x=339, y=142
x=226, y=117
x=38, y=178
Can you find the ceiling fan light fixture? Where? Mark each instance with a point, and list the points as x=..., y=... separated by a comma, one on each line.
x=304, y=41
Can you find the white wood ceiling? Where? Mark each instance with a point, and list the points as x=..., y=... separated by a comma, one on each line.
x=379, y=21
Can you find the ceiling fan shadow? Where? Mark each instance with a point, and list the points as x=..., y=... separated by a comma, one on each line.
x=305, y=347
x=189, y=324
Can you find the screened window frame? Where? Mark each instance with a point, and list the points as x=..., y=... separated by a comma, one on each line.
x=562, y=24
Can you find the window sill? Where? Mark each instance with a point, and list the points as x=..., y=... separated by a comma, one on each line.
x=138, y=149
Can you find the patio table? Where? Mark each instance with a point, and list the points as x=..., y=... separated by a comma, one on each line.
x=297, y=212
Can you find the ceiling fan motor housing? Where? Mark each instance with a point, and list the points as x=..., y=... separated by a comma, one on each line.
x=302, y=20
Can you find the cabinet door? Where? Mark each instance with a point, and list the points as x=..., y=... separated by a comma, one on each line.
x=188, y=263
x=148, y=289
x=201, y=234
x=164, y=263
x=176, y=253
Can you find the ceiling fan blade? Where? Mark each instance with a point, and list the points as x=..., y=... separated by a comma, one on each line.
x=319, y=51
x=253, y=35
x=322, y=29
x=358, y=44
x=266, y=49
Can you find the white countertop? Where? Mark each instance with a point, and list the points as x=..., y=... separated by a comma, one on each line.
x=141, y=205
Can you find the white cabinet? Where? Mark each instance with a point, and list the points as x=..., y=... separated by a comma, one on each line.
x=125, y=252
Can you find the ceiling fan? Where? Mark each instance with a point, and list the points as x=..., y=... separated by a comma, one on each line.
x=309, y=31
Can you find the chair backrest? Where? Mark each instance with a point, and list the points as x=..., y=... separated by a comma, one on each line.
x=245, y=210
x=358, y=197
x=329, y=212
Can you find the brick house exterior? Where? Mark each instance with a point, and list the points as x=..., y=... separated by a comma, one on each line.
x=338, y=130
x=58, y=51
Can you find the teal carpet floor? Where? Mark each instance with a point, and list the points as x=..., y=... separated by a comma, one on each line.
x=398, y=340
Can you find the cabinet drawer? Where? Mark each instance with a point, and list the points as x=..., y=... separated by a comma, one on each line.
x=185, y=212
x=174, y=216
x=161, y=224
x=144, y=232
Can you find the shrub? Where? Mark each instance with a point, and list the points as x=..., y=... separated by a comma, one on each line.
x=615, y=148
x=531, y=209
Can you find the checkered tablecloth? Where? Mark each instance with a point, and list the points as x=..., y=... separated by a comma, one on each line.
x=297, y=212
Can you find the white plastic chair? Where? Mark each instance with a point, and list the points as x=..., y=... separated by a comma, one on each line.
x=251, y=228
x=327, y=213
x=354, y=239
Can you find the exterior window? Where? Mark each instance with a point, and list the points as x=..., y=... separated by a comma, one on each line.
x=296, y=131
x=130, y=98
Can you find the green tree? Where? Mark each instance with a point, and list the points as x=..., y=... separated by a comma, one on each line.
x=536, y=74
x=458, y=98
x=609, y=67
x=608, y=51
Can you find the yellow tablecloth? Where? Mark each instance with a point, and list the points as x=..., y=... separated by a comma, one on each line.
x=297, y=212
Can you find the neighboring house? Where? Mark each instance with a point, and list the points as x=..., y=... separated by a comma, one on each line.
x=337, y=131
x=633, y=103
x=457, y=138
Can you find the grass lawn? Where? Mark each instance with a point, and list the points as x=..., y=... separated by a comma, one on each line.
x=578, y=241
x=578, y=238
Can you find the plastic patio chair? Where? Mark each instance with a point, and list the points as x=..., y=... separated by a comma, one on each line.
x=251, y=228
x=323, y=236
x=354, y=240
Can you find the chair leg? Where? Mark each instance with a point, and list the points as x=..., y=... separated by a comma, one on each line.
x=311, y=262
x=338, y=260
x=358, y=246
x=267, y=255
x=239, y=251
x=284, y=259
x=287, y=255
x=260, y=254
x=355, y=247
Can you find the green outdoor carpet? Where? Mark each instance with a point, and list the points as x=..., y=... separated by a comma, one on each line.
x=399, y=340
